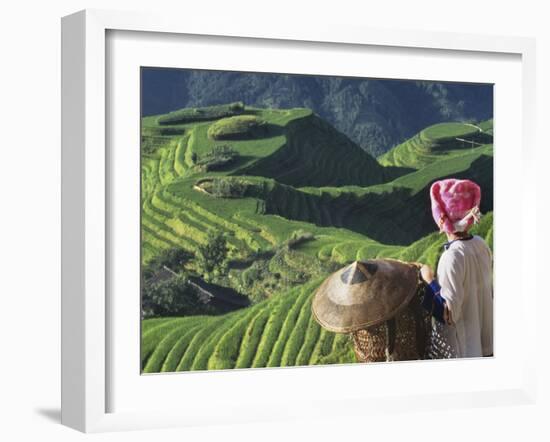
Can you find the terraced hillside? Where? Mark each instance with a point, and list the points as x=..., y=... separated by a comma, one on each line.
x=400, y=204
x=294, y=199
x=444, y=140
x=278, y=332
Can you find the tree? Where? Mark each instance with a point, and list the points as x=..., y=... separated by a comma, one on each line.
x=172, y=297
x=212, y=256
x=174, y=258
x=228, y=188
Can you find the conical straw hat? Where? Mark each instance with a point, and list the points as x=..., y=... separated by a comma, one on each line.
x=364, y=294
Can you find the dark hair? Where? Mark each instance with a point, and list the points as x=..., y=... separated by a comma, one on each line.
x=464, y=234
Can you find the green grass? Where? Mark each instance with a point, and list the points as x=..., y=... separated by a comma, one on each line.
x=251, y=339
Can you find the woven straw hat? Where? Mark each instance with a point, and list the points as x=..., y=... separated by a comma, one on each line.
x=364, y=294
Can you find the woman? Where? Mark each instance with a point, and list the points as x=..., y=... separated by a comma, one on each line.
x=461, y=298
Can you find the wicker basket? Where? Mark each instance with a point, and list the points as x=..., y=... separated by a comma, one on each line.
x=440, y=342
x=406, y=336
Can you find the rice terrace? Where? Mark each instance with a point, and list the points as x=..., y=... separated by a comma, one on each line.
x=246, y=209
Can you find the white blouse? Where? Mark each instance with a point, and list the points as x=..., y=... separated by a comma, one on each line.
x=465, y=275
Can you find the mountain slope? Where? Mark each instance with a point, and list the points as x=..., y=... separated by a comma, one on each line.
x=295, y=147
x=437, y=142
x=376, y=114
x=309, y=191
x=277, y=332
x=315, y=154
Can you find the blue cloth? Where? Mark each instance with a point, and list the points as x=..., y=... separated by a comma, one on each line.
x=433, y=301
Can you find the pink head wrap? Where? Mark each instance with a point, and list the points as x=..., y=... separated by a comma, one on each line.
x=455, y=204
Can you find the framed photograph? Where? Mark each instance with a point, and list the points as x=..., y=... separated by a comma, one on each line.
x=270, y=223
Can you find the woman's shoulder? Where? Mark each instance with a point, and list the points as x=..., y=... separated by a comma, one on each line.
x=478, y=240
x=474, y=240
x=459, y=248
x=483, y=246
x=475, y=245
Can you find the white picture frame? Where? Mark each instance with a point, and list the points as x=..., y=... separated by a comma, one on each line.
x=86, y=206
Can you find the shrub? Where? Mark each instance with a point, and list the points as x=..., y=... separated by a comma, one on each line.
x=170, y=131
x=238, y=127
x=254, y=273
x=238, y=106
x=172, y=297
x=150, y=144
x=228, y=188
x=213, y=255
x=190, y=115
x=221, y=187
x=224, y=187
x=218, y=157
x=173, y=258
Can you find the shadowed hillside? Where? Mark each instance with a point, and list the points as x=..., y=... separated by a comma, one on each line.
x=315, y=154
x=392, y=213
